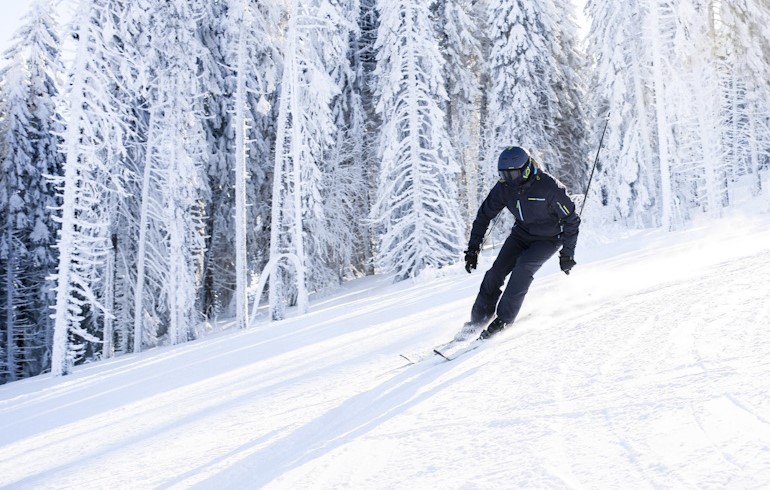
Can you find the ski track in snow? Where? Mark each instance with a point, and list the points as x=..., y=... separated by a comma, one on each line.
x=647, y=368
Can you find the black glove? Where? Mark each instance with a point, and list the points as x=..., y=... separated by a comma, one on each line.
x=471, y=259
x=566, y=263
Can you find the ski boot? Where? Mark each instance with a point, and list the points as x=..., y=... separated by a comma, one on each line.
x=468, y=331
x=495, y=327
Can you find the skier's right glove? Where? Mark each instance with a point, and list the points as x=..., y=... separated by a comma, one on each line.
x=566, y=263
x=471, y=259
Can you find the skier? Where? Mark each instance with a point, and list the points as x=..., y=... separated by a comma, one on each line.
x=545, y=219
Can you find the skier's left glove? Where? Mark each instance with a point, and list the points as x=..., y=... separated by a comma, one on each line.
x=471, y=259
x=566, y=263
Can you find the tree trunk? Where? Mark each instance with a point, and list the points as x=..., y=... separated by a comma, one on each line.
x=241, y=305
x=10, y=300
x=666, y=193
x=141, y=253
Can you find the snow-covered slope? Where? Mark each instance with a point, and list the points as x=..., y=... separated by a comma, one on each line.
x=649, y=366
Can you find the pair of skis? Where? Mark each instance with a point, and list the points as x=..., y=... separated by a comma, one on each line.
x=454, y=348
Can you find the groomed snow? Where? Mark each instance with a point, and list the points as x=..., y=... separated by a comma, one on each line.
x=648, y=367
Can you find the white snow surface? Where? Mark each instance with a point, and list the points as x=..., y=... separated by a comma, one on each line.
x=647, y=367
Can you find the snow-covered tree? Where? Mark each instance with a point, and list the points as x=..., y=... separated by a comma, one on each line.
x=742, y=30
x=626, y=186
x=122, y=29
x=305, y=129
x=364, y=63
x=30, y=158
x=694, y=109
x=17, y=173
x=571, y=121
x=93, y=133
x=174, y=166
x=218, y=84
x=416, y=206
x=255, y=75
x=459, y=26
x=17, y=168
x=140, y=306
x=679, y=130
x=523, y=102
x=346, y=199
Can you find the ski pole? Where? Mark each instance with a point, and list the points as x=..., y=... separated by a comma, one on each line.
x=489, y=233
x=588, y=186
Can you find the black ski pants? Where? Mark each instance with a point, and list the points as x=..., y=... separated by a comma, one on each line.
x=521, y=256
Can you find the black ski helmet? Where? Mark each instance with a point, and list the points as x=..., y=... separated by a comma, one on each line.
x=513, y=165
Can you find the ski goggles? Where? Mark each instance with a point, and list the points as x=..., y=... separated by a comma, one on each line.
x=511, y=174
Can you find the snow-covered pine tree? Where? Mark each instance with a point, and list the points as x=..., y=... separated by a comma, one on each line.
x=18, y=170
x=416, y=206
x=694, y=108
x=523, y=103
x=219, y=271
x=657, y=29
x=305, y=128
x=627, y=186
x=149, y=309
x=30, y=158
x=92, y=133
x=571, y=124
x=364, y=63
x=126, y=206
x=329, y=233
x=251, y=57
x=124, y=167
x=346, y=197
x=177, y=153
x=459, y=25
x=742, y=31
x=140, y=304
x=180, y=143
x=14, y=165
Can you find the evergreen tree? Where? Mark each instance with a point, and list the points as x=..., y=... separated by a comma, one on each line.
x=251, y=57
x=176, y=156
x=122, y=259
x=340, y=232
x=218, y=87
x=141, y=297
x=17, y=173
x=694, y=109
x=571, y=123
x=523, y=102
x=416, y=207
x=741, y=28
x=93, y=134
x=627, y=188
x=123, y=160
x=304, y=132
x=31, y=158
x=364, y=63
x=462, y=50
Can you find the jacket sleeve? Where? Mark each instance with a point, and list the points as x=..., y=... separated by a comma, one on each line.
x=489, y=209
x=569, y=220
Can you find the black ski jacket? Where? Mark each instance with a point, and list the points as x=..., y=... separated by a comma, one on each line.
x=540, y=206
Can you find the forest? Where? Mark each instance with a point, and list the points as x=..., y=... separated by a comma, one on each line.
x=170, y=163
